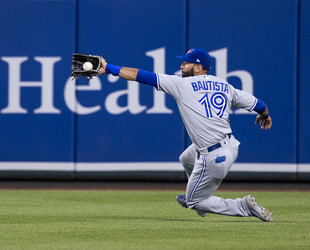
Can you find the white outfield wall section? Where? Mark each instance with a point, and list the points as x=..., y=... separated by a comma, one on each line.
x=143, y=166
x=128, y=171
x=175, y=166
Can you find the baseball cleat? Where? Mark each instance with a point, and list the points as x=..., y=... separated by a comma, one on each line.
x=182, y=200
x=258, y=211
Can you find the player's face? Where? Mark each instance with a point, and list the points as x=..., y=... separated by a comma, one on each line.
x=187, y=69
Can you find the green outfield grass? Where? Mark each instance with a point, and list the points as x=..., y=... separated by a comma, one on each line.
x=145, y=220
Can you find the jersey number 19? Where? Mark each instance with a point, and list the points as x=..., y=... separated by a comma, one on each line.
x=217, y=100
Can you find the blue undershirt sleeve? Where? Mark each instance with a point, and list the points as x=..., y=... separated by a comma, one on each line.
x=147, y=77
x=260, y=106
x=112, y=69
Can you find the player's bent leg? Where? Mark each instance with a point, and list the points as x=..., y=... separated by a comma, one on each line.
x=217, y=205
x=187, y=159
x=209, y=171
x=201, y=185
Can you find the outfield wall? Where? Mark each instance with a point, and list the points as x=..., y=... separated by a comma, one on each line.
x=53, y=127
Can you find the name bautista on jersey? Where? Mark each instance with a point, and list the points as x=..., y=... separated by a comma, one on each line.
x=210, y=85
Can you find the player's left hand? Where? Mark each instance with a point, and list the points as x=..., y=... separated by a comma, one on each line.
x=265, y=123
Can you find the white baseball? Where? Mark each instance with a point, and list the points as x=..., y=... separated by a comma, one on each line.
x=87, y=66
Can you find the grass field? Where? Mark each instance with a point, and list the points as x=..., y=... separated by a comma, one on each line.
x=145, y=220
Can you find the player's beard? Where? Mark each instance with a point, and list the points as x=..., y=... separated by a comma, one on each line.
x=188, y=73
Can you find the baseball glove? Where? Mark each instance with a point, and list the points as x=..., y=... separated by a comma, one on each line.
x=77, y=65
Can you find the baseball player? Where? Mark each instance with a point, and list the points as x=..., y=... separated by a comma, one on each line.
x=204, y=102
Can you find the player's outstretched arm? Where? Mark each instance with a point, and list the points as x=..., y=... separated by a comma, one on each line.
x=264, y=119
x=124, y=72
x=127, y=73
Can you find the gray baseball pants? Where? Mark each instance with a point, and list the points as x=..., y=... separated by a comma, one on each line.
x=205, y=171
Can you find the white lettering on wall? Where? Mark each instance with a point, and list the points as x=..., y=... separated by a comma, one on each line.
x=46, y=85
x=112, y=102
x=133, y=105
x=70, y=95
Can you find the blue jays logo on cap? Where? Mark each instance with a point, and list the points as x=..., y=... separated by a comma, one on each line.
x=198, y=56
x=190, y=51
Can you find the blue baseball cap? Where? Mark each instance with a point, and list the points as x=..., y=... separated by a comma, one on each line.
x=198, y=56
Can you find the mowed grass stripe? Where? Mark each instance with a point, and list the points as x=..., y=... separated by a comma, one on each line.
x=145, y=220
